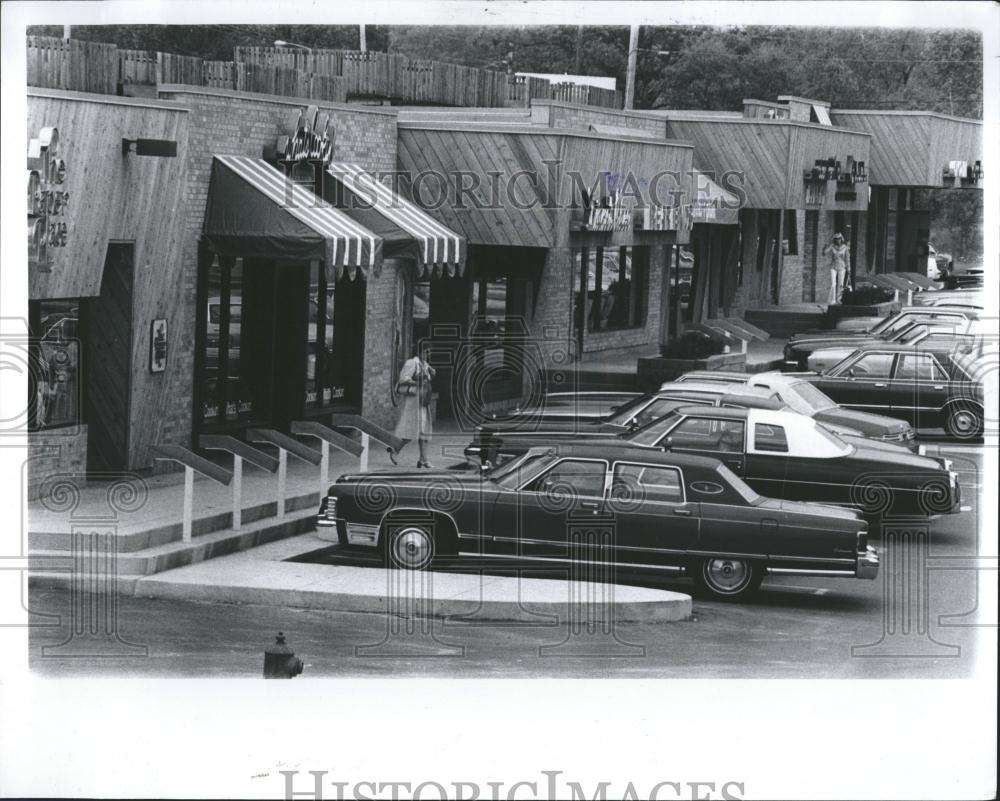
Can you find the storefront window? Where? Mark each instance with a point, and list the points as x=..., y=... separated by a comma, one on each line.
x=227, y=391
x=614, y=283
x=320, y=357
x=54, y=381
x=421, y=310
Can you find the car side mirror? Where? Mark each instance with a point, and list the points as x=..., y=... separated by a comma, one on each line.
x=633, y=424
x=668, y=444
x=850, y=372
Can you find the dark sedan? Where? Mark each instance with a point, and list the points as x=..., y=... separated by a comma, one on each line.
x=804, y=397
x=634, y=507
x=798, y=350
x=935, y=384
x=496, y=443
x=787, y=455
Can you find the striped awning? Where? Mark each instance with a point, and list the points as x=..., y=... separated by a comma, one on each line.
x=438, y=247
x=280, y=219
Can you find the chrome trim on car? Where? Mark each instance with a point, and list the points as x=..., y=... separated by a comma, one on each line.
x=361, y=533
x=803, y=571
x=329, y=517
x=564, y=560
x=868, y=563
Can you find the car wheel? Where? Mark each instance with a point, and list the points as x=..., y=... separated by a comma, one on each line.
x=728, y=579
x=964, y=422
x=409, y=547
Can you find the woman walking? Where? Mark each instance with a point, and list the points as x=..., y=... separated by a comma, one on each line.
x=414, y=422
x=838, y=254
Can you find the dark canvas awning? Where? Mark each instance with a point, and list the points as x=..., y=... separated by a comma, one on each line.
x=407, y=230
x=255, y=211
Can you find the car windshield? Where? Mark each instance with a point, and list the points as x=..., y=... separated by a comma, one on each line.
x=653, y=432
x=627, y=411
x=738, y=484
x=512, y=474
x=815, y=398
x=891, y=324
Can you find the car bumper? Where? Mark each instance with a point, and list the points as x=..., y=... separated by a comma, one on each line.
x=867, y=564
x=356, y=533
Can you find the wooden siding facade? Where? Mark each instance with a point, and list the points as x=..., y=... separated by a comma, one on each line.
x=527, y=179
x=912, y=148
x=766, y=159
x=124, y=199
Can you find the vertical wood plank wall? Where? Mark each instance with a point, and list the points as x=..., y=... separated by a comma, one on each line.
x=129, y=199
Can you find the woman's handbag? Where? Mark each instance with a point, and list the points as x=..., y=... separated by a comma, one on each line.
x=424, y=385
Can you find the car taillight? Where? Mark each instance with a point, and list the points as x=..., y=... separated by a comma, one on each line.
x=331, y=507
x=862, y=540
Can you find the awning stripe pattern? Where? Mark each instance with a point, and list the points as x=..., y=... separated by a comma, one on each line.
x=439, y=245
x=351, y=245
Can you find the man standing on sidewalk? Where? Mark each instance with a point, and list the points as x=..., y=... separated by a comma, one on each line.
x=839, y=255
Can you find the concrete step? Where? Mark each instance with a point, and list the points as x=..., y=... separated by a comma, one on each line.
x=139, y=539
x=53, y=568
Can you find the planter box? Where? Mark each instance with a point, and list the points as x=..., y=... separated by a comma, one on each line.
x=838, y=312
x=783, y=322
x=654, y=370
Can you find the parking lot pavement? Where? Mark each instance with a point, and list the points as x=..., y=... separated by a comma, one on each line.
x=807, y=627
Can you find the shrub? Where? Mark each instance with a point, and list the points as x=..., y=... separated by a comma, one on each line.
x=691, y=345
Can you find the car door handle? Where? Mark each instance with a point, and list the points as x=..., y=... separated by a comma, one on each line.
x=879, y=384
x=939, y=386
x=683, y=512
x=592, y=505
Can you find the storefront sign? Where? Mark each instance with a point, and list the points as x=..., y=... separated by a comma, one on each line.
x=658, y=218
x=47, y=200
x=158, y=346
x=310, y=138
x=608, y=214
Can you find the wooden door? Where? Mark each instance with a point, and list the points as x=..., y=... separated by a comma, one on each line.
x=107, y=367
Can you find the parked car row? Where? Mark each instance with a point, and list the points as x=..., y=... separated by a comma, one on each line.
x=725, y=476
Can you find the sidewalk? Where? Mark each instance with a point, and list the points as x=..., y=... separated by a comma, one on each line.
x=264, y=575
x=161, y=497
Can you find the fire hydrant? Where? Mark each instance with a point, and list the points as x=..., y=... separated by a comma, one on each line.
x=280, y=661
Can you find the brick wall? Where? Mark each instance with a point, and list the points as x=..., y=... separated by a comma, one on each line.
x=553, y=320
x=61, y=451
x=240, y=123
x=793, y=267
x=381, y=329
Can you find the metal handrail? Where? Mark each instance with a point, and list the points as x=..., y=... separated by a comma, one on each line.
x=191, y=462
x=240, y=451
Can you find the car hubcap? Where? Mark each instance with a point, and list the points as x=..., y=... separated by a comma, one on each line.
x=412, y=548
x=727, y=575
x=964, y=422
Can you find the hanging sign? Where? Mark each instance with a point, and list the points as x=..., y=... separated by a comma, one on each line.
x=47, y=199
x=309, y=138
x=658, y=218
x=607, y=214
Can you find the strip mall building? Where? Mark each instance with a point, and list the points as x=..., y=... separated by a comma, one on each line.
x=213, y=273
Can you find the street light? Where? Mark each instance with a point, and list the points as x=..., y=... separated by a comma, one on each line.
x=283, y=43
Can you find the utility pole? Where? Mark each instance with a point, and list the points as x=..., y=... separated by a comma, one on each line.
x=633, y=51
x=579, y=51
x=364, y=42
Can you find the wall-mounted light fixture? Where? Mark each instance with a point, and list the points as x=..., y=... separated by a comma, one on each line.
x=164, y=148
